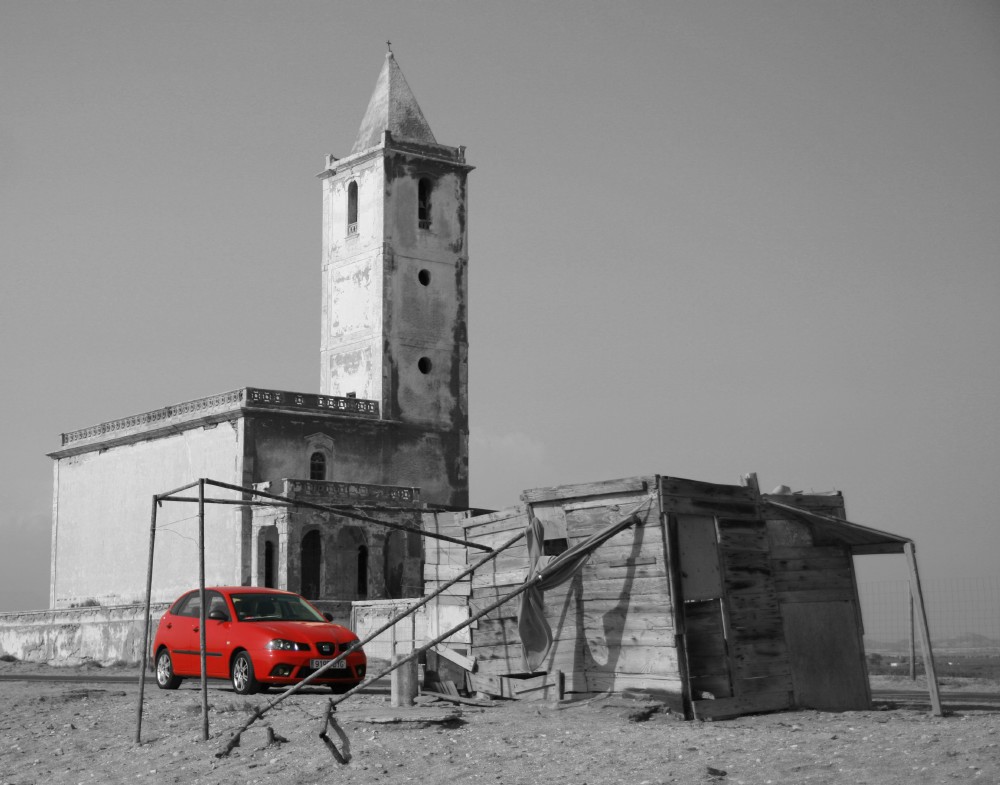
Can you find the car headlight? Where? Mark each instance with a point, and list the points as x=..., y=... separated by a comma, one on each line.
x=280, y=644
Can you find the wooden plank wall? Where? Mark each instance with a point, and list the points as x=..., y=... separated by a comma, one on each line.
x=495, y=642
x=807, y=566
x=612, y=623
x=442, y=562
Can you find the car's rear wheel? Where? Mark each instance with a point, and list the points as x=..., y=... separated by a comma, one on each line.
x=244, y=681
x=165, y=677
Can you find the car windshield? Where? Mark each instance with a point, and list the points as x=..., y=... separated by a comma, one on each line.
x=274, y=607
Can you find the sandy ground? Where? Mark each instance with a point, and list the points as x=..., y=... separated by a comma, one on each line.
x=83, y=732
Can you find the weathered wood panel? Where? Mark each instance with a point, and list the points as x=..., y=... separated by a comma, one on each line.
x=690, y=497
x=667, y=688
x=487, y=576
x=724, y=708
x=594, y=656
x=828, y=661
x=493, y=517
x=628, y=485
x=816, y=595
x=807, y=579
x=643, y=593
x=809, y=552
x=443, y=572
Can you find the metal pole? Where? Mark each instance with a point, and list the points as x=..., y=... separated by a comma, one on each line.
x=925, y=634
x=201, y=612
x=913, y=642
x=145, y=626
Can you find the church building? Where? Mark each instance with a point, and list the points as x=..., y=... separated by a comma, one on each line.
x=388, y=429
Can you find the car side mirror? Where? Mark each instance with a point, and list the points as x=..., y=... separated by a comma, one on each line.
x=219, y=616
x=327, y=615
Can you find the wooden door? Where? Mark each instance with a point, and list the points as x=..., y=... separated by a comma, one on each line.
x=736, y=656
x=825, y=651
x=707, y=655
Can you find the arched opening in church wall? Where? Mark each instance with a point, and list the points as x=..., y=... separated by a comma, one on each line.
x=347, y=572
x=269, y=564
x=362, y=572
x=267, y=557
x=394, y=556
x=311, y=562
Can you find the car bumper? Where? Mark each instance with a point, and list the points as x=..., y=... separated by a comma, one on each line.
x=286, y=667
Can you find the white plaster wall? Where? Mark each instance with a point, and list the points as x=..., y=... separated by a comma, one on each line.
x=73, y=636
x=351, y=341
x=102, y=518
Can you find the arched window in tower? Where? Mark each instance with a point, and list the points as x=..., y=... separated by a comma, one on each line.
x=317, y=466
x=362, y=572
x=352, y=207
x=424, y=203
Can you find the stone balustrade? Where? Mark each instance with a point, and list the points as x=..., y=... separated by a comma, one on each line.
x=247, y=397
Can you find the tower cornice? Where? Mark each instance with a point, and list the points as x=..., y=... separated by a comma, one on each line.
x=439, y=153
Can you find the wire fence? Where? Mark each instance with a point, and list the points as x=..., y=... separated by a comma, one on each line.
x=963, y=615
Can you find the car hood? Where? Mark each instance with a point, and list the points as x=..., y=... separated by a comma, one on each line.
x=304, y=631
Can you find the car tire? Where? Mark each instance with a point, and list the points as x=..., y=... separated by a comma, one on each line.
x=243, y=678
x=166, y=679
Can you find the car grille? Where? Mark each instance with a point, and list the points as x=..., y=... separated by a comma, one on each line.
x=326, y=648
x=351, y=672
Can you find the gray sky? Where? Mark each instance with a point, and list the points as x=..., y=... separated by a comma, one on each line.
x=706, y=238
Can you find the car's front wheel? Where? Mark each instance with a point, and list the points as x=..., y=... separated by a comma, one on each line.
x=244, y=681
x=165, y=677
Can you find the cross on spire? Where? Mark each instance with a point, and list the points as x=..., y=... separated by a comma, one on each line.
x=388, y=45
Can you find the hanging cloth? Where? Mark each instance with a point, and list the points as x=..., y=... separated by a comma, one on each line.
x=532, y=626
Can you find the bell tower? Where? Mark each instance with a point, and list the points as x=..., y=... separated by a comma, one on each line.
x=395, y=258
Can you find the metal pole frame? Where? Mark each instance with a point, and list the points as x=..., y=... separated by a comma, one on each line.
x=201, y=613
x=925, y=633
x=145, y=626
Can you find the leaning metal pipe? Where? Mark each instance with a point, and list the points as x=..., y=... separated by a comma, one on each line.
x=360, y=644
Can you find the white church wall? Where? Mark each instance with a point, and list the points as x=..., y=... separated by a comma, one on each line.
x=351, y=340
x=102, y=515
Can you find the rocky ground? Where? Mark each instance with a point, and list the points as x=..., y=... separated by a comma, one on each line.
x=80, y=731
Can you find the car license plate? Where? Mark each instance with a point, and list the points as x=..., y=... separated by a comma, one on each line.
x=317, y=664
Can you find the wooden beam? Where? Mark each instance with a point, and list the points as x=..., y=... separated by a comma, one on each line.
x=631, y=485
x=925, y=633
x=463, y=662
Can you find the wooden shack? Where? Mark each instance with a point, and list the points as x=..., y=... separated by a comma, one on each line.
x=719, y=599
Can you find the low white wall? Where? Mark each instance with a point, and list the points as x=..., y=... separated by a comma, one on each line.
x=74, y=635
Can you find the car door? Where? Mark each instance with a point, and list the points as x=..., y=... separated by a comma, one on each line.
x=217, y=637
x=186, y=635
x=185, y=643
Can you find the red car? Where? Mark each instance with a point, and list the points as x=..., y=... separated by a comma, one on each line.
x=257, y=638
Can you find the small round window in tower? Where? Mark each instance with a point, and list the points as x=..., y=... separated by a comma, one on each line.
x=424, y=364
x=424, y=276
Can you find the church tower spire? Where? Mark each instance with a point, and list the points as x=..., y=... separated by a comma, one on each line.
x=392, y=108
x=395, y=258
